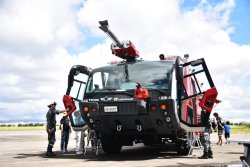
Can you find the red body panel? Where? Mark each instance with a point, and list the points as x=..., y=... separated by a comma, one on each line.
x=185, y=103
x=125, y=53
x=193, y=104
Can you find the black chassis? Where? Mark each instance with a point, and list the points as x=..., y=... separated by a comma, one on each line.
x=134, y=121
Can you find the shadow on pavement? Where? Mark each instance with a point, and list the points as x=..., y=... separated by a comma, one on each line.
x=128, y=153
x=234, y=153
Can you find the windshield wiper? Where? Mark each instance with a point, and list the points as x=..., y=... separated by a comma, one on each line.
x=127, y=93
x=91, y=93
x=109, y=91
x=118, y=91
x=158, y=90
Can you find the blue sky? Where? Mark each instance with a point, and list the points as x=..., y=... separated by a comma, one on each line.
x=239, y=19
x=41, y=40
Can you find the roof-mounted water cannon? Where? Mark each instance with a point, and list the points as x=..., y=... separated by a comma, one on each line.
x=125, y=49
x=170, y=57
x=167, y=57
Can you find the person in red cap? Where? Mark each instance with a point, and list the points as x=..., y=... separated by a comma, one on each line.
x=51, y=126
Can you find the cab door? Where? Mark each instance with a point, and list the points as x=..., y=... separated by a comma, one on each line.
x=77, y=79
x=196, y=95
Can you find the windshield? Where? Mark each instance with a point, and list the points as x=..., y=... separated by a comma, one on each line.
x=151, y=75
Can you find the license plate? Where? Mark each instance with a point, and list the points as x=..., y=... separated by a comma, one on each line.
x=110, y=109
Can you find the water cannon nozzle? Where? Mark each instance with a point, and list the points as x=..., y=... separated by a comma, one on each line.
x=104, y=23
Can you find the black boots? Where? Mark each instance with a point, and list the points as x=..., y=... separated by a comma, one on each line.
x=49, y=152
x=210, y=154
x=206, y=155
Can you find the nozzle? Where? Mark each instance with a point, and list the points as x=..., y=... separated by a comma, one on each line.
x=105, y=27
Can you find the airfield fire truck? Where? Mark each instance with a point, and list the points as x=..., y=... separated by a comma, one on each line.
x=141, y=101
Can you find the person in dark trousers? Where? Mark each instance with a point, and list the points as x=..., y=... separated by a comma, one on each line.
x=220, y=128
x=51, y=126
x=65, y=128
x=227, y=131
x=214, y=126
x=205, y=140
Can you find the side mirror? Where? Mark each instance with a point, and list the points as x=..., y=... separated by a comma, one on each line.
x=68, y=103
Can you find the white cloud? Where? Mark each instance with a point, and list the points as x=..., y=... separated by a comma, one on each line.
x=36, y=27
x=34, y=35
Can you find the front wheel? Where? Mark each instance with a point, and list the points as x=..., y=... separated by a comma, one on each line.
x=182, y=147
x=149, y=140
x=111, y=144
x=182, y=142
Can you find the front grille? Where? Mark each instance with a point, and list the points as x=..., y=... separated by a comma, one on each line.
x=124, y=108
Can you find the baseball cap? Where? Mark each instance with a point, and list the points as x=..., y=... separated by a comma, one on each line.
x=54, y=103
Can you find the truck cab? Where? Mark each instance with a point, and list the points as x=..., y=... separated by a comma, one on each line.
x=175, y=103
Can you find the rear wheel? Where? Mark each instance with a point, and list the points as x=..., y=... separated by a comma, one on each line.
x=111, y=144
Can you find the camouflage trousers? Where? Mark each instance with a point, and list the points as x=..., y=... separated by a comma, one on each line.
x=205, y=141
x=51, y=139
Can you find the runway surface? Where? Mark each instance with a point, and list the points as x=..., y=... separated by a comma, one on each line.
x=27, y=149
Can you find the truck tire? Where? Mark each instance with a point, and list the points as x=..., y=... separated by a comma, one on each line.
x=149, y=141
x=111, y=144
x=182, y=147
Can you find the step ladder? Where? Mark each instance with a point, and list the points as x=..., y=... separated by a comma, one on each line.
x=93, y=143
x=196, y=143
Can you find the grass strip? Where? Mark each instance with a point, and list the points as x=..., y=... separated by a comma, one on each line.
x=13, y=128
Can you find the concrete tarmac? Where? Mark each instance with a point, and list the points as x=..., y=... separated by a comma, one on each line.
x=27, y=149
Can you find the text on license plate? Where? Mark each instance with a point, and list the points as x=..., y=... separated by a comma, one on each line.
x=110, y=108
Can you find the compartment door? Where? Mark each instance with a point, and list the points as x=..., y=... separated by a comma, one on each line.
x=77, y=79
x=197, y=95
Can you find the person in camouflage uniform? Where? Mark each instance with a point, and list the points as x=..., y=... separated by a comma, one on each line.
x=205, y=139
x=51, y=126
